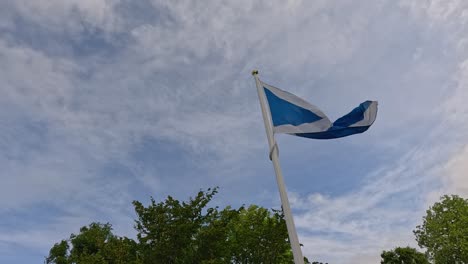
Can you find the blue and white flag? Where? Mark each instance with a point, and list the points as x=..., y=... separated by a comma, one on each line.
x=292, y=115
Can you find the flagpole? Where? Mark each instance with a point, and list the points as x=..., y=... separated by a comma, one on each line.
x=274, y=157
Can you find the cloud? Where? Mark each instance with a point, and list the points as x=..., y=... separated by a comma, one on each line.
x=108, y=101
x=381, y=213
x=69, y=15
x=453, y=172
x=456, y=181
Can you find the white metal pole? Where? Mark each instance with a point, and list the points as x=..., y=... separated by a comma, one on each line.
x=296, y=248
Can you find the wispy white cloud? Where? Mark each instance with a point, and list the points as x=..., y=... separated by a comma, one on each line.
x=70, y=15
x=88, y=86
x=382, y=213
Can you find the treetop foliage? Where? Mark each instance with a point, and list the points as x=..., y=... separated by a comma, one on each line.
x=406, y=255
x=180, y=232
x=444, y=232
x=176, y=232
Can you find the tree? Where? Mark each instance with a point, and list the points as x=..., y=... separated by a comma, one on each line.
x=256, y=233
x=176, y=232
x=189, y=232
x=406, y=255
x=183, y=232
x=444, y=232
x=59, y=253
x=94, y=244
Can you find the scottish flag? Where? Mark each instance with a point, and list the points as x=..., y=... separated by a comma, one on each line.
x=292, y=115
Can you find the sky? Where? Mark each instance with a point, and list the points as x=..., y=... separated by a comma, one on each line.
x=108, y=101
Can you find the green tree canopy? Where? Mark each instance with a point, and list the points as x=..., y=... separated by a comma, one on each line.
x=255, y=233
x=183, y=232
x=406, y=255
x=444, y=232
x=176, y=232
x=94, y=244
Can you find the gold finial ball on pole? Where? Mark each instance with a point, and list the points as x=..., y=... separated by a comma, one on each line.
x=254, y=72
